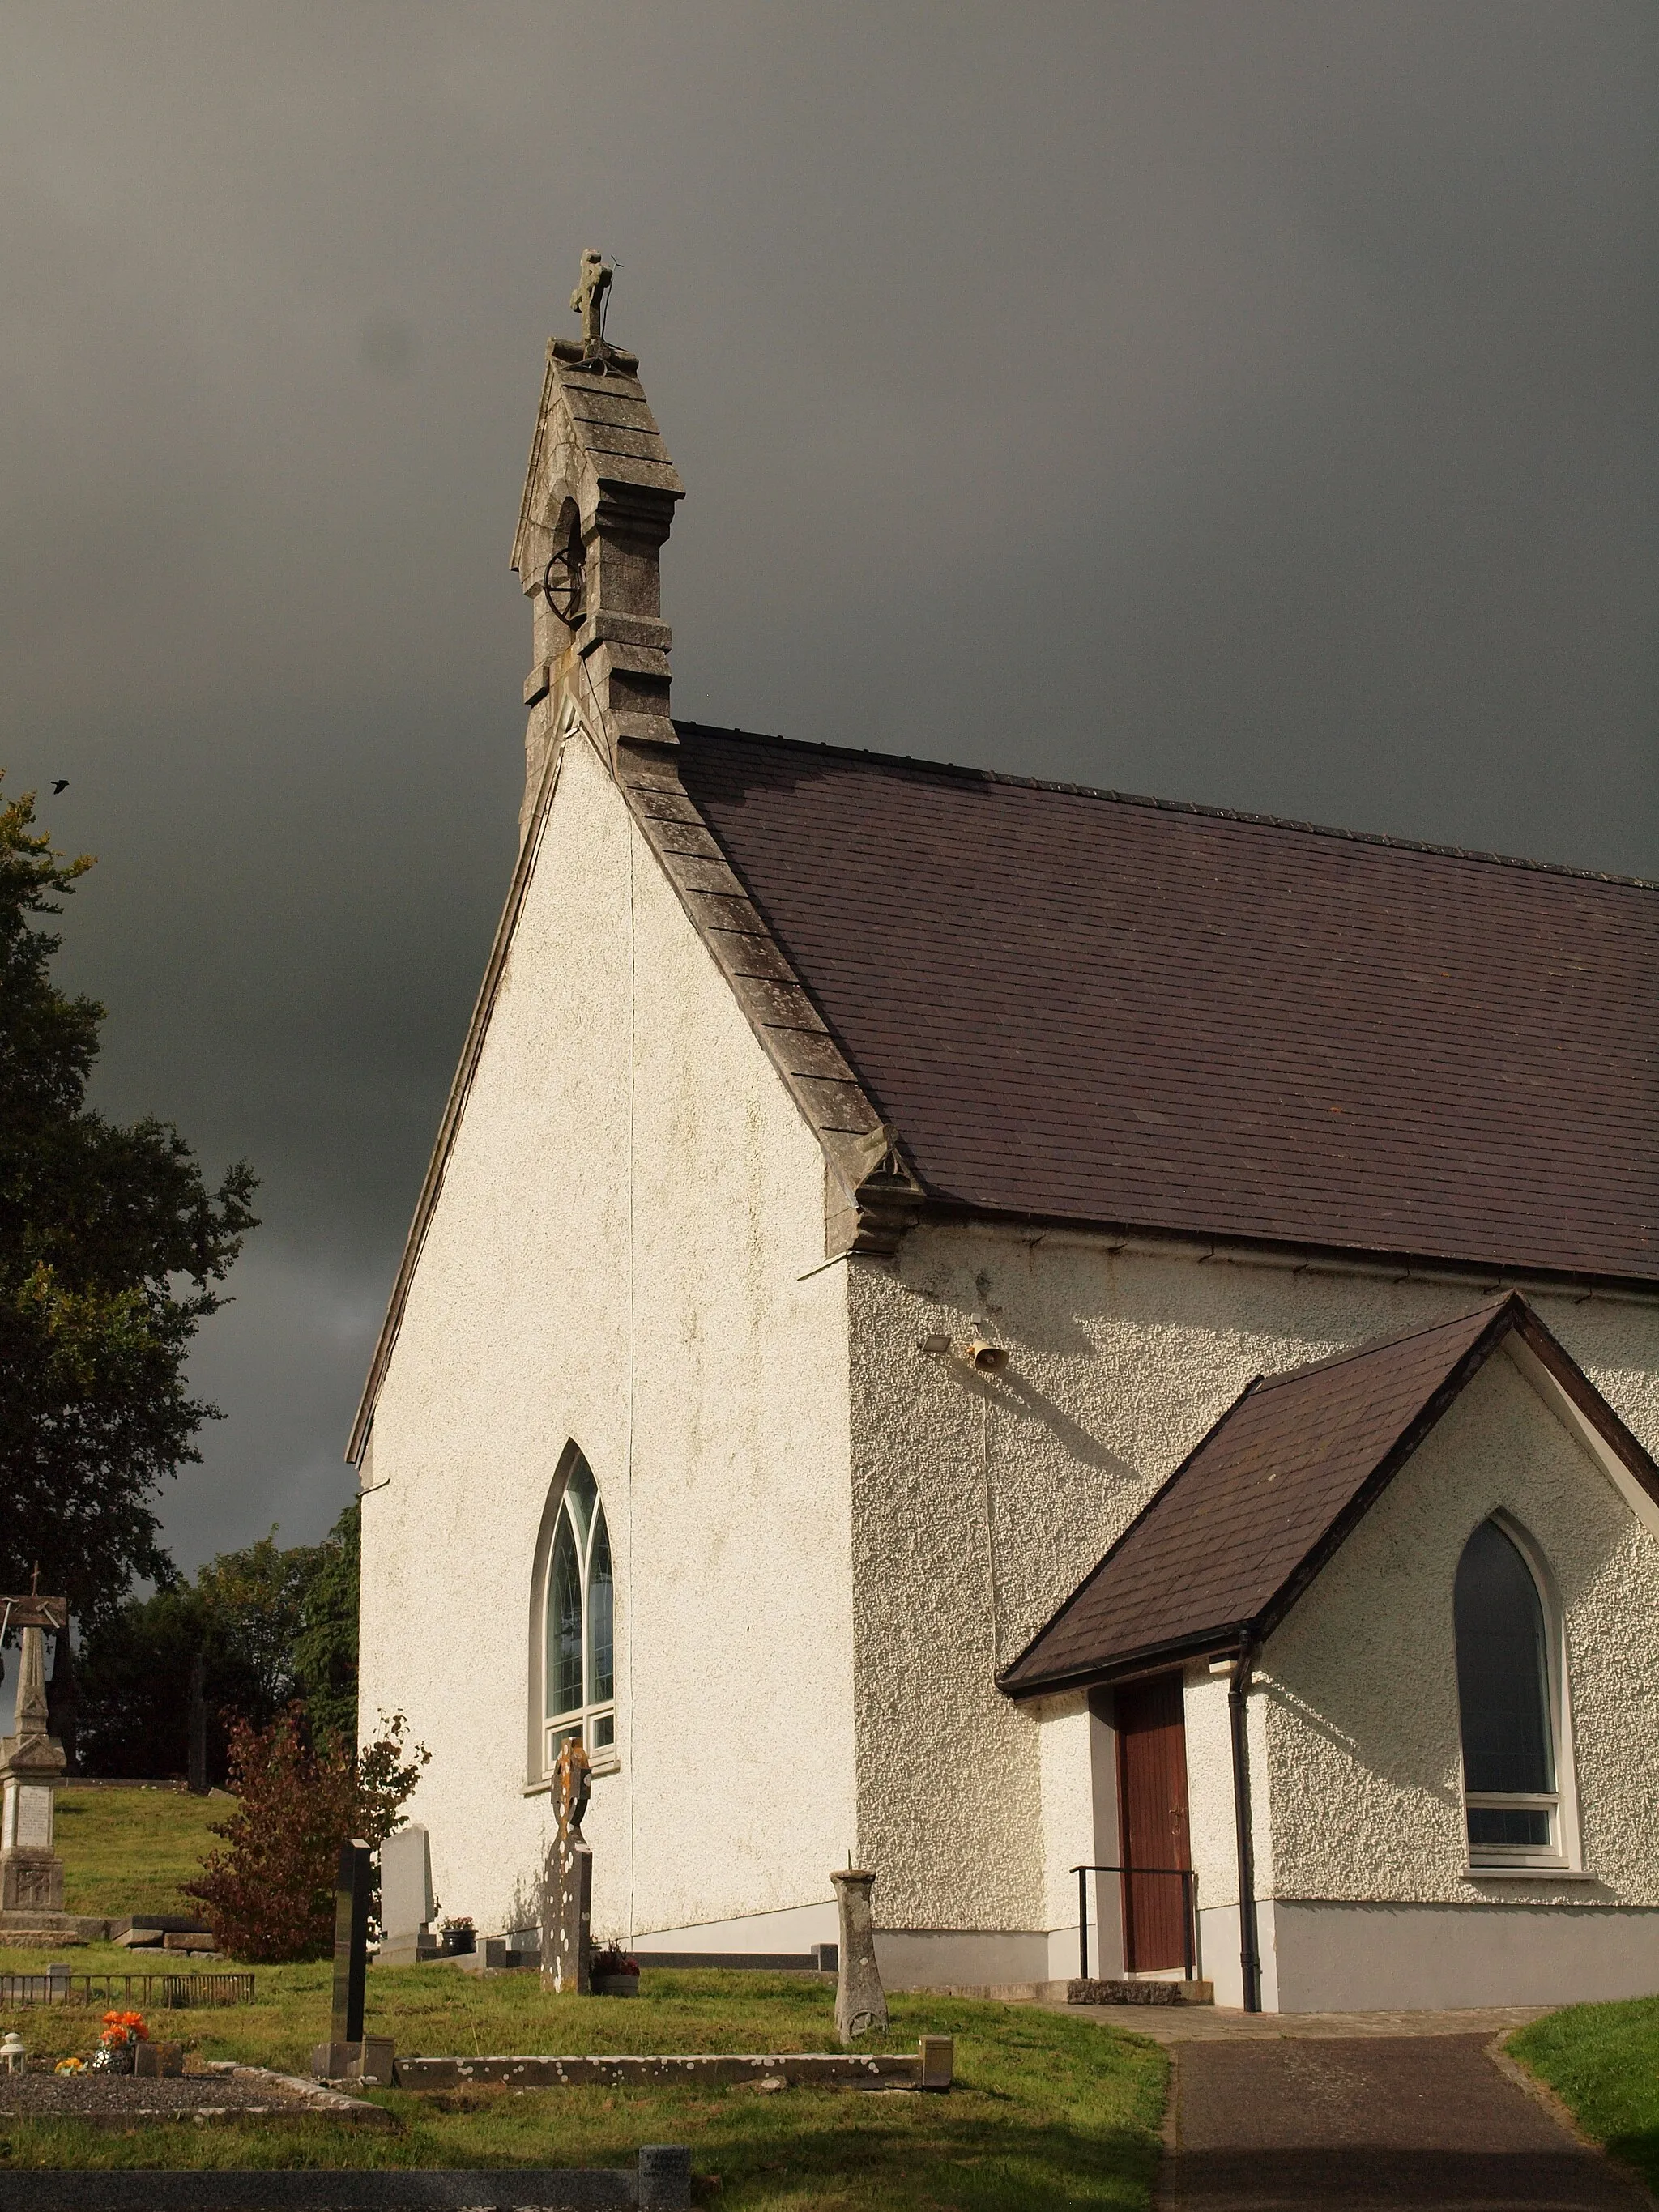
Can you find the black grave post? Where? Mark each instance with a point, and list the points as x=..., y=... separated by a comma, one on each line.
x=351, y=1940
x=346, y=2057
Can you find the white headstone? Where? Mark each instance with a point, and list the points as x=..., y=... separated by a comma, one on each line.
x=406, y=1903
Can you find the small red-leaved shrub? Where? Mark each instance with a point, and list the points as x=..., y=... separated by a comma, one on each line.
x=270, y=1896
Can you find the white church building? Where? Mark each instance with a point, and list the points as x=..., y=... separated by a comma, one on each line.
x=995, y=1328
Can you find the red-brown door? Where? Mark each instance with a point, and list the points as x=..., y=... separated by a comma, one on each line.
x=1152, y=1796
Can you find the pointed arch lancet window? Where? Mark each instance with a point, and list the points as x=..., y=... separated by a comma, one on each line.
x=578, y=1639
x=1506, y=1701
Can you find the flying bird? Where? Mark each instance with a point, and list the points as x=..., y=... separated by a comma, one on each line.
x=62, y=784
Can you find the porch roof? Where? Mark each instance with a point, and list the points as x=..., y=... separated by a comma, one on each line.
x=1230, y=1542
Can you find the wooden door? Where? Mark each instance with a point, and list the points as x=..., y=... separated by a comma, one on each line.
x=1152, y=1796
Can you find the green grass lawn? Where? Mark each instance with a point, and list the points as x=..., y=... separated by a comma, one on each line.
x=1602, y=2061
x=1047, y=2110
x=127, y=1851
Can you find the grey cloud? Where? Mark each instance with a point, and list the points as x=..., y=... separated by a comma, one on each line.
x=1251, y=404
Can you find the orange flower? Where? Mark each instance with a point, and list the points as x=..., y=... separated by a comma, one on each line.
x=124, y=2028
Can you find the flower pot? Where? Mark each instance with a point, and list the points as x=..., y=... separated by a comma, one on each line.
x=616, y=1985
x=459, y=1941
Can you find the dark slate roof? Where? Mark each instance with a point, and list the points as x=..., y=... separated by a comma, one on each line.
x=1243, y=1525
x=1075, y=1005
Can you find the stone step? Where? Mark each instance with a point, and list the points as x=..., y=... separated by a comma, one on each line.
x=1131, y=1991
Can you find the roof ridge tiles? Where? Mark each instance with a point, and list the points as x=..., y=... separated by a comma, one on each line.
x=822, y=747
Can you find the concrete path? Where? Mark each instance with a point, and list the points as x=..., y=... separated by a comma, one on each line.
x=1373, y=2119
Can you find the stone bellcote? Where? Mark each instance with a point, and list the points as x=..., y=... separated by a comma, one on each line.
x=598, y=504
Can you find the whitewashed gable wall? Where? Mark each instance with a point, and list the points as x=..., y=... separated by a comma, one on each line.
x=618, y=1257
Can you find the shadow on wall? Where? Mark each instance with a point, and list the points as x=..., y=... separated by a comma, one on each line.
x=1036, y=1405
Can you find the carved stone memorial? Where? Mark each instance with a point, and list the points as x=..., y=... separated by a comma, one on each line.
x=31, y=1766
x=860, y=2001
x=567, y=1879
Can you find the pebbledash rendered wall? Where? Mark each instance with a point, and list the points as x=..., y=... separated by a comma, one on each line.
x=979, y=1502
x=620, y=1255
x=827, y=1540
x=1362, y=1769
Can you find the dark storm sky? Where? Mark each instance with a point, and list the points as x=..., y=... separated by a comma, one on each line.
x=1247, y=403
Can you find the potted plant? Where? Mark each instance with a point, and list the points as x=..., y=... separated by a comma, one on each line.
x=612, y=1973
x=458, y=1936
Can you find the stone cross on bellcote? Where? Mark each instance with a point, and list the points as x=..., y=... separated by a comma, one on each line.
x=588, y=300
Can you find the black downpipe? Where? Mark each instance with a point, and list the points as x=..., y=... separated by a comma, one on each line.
x=1249, y=1958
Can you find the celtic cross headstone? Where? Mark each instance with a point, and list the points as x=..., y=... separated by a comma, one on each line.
x=567, y=1879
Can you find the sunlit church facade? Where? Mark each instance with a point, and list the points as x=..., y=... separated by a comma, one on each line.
x=1002, y=1329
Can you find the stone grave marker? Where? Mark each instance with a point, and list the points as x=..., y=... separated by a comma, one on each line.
x=406, y=1899
x=567, y=1879
x=346, y=2057
x=31, y=1766
x=860, y=2001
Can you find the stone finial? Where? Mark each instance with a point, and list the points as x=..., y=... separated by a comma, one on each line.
x=587, y=301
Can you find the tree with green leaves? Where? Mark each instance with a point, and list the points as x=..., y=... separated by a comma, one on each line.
x=111, y=1248
x=326, y=1648
x=275, y=1628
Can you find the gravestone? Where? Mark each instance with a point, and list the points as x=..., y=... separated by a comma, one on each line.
x=568, y=1880
x=345, y=2055
x=406, y=1899
x=860, y=2001
x=31, y=1766
x=351, y=1888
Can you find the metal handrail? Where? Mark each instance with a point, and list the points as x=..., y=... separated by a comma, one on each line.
x=1189, y=1911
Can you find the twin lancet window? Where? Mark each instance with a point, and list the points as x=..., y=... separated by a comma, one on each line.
x=579, y=1694
x=1506, y=1694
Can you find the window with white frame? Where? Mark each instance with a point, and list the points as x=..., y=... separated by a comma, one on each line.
x=579, y=1693
x=1507, y=1679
